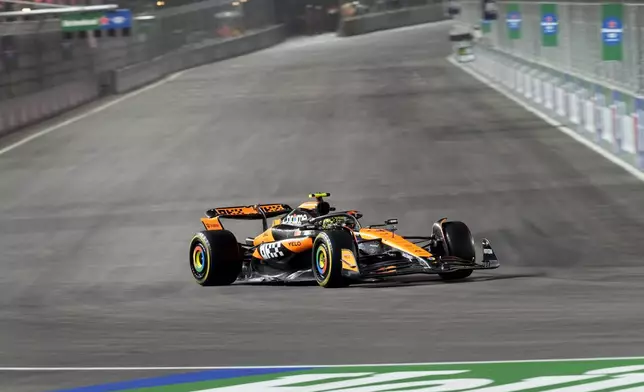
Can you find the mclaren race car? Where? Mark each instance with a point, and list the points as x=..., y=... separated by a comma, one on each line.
x=314, y=242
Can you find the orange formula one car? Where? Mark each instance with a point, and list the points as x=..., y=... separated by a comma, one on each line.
x=313, y=242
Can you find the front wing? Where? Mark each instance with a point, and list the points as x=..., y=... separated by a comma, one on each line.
x=380, y=267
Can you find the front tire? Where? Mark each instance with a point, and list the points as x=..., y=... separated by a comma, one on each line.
x=215, y=258
x=327, y=257
x=459, y=243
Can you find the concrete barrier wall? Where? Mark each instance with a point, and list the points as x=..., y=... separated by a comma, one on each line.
x=30, y=109
x=391, y=19
x=137, y=75
x=33, y=108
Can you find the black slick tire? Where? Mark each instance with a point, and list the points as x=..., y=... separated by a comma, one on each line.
x=327, y=257
x=459, y=243
x=215, y=258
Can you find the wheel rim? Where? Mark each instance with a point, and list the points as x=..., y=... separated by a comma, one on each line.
x=199, y=260
x=322, y=261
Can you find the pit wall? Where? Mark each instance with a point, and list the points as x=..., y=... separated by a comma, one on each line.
x=32, y=108
x=25, y=110
x=610, y=118
x=138, y=75
x=391, y=19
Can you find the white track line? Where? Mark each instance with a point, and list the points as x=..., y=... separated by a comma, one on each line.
x=89, y=113
x=32, y=369
x=619, y=162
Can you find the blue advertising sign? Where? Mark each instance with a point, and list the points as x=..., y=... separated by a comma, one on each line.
x=612, y=31
x=119, y=19
x=549, y=24
x=514, y=20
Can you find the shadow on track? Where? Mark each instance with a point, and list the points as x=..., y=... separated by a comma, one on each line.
x=435, y=281
x=404, y=281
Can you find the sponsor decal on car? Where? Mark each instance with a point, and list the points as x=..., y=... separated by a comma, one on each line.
x=295, y=219
x=271, y=251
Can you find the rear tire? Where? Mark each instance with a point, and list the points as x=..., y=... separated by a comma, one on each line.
x=327, y=257
x=459, y=243
x=215, y=258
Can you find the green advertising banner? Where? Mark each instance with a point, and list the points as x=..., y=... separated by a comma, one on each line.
x=486, y=26
x=612, y=32
x=549, y=25
x=513, y=20
x=81, y=21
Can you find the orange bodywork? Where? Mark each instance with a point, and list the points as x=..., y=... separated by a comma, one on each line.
x=349, y=260
x=266, y=236
x=212, y=223
x=298, y=245
x=395, y=241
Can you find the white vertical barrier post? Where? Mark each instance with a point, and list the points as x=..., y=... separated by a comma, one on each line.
x=548, y=92
x=520, y=79
x=527, y=78
x=507, y=73
x=639, y=128
x=600, y=103
x=513, y=71
x=589, y=112
x=537, y=95
x=575, y=106
x=560, y=98
x=629, y=127
x=618, y=109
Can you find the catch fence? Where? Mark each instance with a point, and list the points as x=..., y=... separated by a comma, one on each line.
x=600, y=42
x=36, y=55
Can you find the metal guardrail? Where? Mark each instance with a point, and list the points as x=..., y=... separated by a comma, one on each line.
x=376, y=21
x=356, y=8
x=579, y=48
x=611, y=121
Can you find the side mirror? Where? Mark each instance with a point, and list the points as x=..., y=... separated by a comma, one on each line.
x=391, y=222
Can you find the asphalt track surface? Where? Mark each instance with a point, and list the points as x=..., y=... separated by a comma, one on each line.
x=95, y=220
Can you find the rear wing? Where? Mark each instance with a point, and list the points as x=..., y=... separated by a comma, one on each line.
x=254, y=212
x=258, y=211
